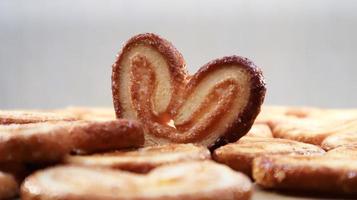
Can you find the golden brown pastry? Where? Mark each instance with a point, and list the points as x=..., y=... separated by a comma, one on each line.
x=102, y=136
x=312, y=130
x=259, y=130
x=325, y=174
x=216, y=105
x=8, y=186
x=50, y=141
x=144, y=159
x=239, y=155
x=189, y=181
x=269, y=113
x=24, y=117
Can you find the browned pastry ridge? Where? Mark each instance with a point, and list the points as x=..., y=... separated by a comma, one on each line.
x=239, y=155
x=8, y=186
x=24, y=117
x=143, y=159
x=50, y=141
x=190, y=181
x=216, y=105
x=327, y=174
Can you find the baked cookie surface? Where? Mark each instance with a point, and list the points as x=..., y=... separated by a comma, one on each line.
x=188, y=181
x=240, y=155
x=144, y=159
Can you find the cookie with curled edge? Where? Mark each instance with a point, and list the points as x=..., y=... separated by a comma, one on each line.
x=9, y=187
x=31, y=116
x=216, y=105
x=143, y=159
x=259, y=130
x=239, y=155
x=339, y=139
x=325, y=174
x=50, y=141
x=313, y=130
x=189, y=181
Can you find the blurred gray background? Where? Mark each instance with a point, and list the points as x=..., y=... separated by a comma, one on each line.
x=59, y=53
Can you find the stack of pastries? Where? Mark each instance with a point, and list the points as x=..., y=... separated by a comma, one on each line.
x=173, y=136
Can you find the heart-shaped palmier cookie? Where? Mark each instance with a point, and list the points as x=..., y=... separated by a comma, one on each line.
x=216, y=105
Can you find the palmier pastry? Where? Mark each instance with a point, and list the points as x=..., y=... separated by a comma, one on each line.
x=144, y=159
x=259, y=130
x=312, y=130
x=325, y=174
x=189, y=181
x=239, y=155
x=24, y=117
x=216, y=105
x=50, y=141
